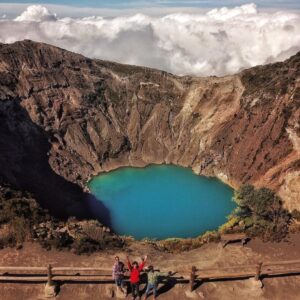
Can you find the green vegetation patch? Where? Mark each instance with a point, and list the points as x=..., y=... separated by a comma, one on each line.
x=259, y=213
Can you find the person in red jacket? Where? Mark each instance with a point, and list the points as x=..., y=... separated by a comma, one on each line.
x=135, y=270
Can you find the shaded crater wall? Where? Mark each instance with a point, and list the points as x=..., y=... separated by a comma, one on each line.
x=94, y=116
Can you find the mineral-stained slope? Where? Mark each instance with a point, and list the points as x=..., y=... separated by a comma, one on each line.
x=65, y=118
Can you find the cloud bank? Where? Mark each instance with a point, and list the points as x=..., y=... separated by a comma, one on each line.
x=36, y=13
x=221, y=41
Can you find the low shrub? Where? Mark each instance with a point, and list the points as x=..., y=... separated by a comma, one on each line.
x=20, y=229
x=296, y=214
x=262, y=213
x=94, y=231
x=85, y=245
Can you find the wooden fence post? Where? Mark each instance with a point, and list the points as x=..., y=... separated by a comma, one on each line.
x=258, y=271
x=192, y=278
x=50, y=275
x=51, y=287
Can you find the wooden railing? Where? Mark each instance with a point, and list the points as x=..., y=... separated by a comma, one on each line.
x=49, y=273
x=257, y=271
x=54, y=275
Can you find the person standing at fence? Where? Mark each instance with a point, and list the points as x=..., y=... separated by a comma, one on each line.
x=152, y=281
x=118, y=274
x=135, y=270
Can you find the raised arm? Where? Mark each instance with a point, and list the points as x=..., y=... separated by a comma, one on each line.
x=164, y=274
x=142, y=264
x=128, y=263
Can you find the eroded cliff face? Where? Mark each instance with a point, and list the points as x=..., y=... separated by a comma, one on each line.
x=71, y=117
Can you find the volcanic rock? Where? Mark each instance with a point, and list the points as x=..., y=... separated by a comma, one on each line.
x=65, y=118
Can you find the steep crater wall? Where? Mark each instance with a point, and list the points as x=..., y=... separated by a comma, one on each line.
x=86, y=116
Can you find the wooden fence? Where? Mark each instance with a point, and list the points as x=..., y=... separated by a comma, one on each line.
x=53, y=275
x=257, y=271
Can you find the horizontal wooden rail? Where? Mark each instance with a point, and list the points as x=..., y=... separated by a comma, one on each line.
x=44, y=274
x=237, y=267
x=226, y=275
x=24, y=278
x=25, y=269
x=282, y=272
x=81, y=269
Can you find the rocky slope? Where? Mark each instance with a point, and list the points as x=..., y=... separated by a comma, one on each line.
x=65, y=118
x=22, y=219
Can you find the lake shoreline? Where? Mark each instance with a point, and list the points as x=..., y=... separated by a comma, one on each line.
x=199, y=200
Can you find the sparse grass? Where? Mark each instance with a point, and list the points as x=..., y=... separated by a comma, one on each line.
x=231, y=222
x=181, y=244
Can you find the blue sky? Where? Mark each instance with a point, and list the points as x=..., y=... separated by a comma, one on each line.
x=288, y=4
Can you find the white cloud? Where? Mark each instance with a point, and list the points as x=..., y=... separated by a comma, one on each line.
x=36, y=13
x=221, y=41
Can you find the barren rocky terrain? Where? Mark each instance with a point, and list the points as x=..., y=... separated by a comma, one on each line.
x=209, y=256
x=65, y=118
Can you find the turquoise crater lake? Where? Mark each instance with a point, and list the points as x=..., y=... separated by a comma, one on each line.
x=160, y=201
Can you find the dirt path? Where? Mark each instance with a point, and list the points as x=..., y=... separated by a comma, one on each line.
x=211, y=255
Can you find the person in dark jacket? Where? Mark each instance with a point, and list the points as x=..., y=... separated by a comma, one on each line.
x=118, y=274
x=135, y=270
